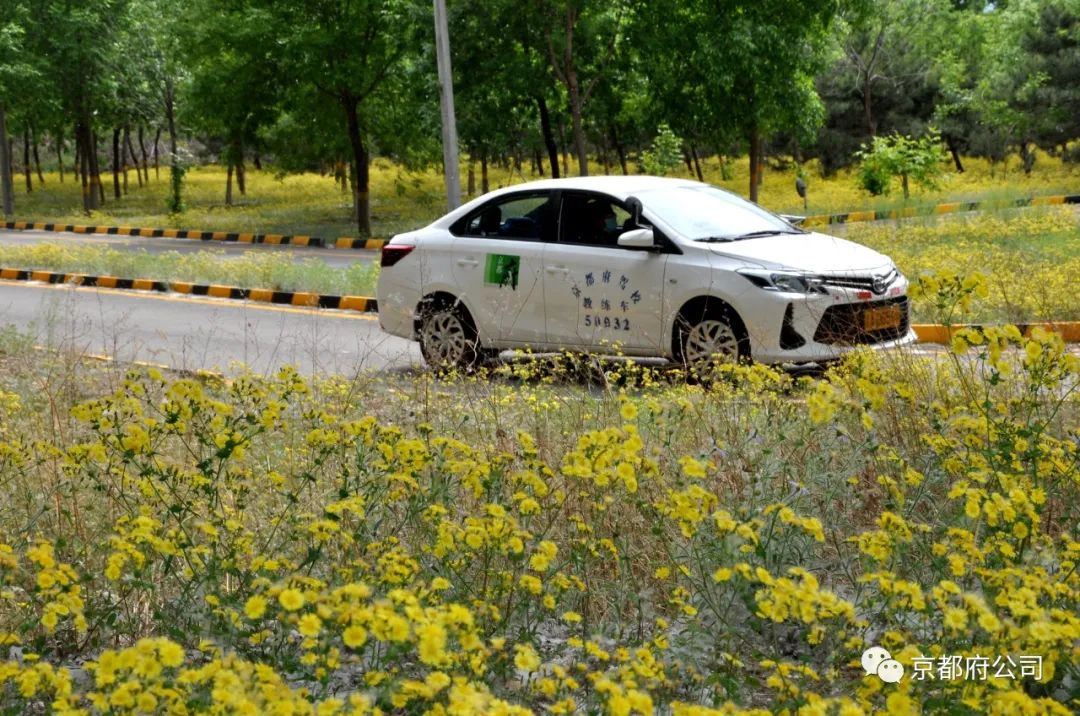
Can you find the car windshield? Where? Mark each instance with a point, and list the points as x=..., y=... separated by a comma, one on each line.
x=705, y=213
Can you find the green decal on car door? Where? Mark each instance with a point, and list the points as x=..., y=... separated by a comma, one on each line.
x=502, y=270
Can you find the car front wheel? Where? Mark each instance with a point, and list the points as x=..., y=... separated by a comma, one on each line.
x=447, y=338
x=712, y=339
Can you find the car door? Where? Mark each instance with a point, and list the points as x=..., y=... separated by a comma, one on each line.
x=497, y=257
x=597, y=292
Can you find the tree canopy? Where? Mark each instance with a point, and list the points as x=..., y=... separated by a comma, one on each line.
x=330, y=84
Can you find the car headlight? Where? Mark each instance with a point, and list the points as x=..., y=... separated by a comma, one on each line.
x=784, y=281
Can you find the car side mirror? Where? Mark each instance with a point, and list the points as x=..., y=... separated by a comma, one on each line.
x=637, y=239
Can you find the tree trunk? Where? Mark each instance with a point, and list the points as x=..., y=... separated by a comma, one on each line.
x=116, y=163
x=132, y=156
x=142, y=148
x=577, y=123
x=360, y=158
x=176, y=172
x=471, y=180
x=77, y=166
x=950, y=142
x=258, y=160
x=904, y=183
x=484, y=174
x=868, y=110
x=538, y=163
x=228, y=185
x=619, y=150
x=241, y=174
x=157, y=154
x=84, y=142
x=7, y=192
x=60, y=155
x=755, y=156
x=37, y=156
x=1027, y=155
x=95, y=168
x=687, y=161
x=549, y=137
x=26, y=159
x=697, y=163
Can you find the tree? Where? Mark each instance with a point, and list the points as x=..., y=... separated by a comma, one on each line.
x=232, y=89
x=912, y=160
x=881, y=78
x=581, y=38
x=747, y=67
x=1052, y=42
x=13, y=67
x=350, y=52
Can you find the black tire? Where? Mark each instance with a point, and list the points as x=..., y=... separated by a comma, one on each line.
x=448, y=339
x=715, y=337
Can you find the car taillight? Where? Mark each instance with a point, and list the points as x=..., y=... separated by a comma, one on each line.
x=392, y=253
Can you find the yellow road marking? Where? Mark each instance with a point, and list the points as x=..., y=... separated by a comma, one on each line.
x=228, y=303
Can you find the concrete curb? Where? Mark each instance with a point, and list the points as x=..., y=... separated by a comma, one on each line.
x=938, y=333
x=927, y=332
x=950, y=208
x=344, y=242
x=363, y=304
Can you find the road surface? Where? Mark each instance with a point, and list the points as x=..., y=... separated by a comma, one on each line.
x=189, y=333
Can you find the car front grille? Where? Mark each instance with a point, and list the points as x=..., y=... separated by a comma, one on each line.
x=843, y=325
x=863, y=283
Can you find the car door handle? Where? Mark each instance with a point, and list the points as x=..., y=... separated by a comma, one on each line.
x=468, y=262
x=557, y=269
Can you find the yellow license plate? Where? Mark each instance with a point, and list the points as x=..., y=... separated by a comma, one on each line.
x=875, y=319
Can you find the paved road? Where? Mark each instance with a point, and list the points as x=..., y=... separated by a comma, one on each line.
x=193, y=333
x=336, y=258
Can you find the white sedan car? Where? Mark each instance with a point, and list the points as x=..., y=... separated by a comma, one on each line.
x=643, y=266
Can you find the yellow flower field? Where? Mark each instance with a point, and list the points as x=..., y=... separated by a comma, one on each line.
x=402, y=199
x=560, y=537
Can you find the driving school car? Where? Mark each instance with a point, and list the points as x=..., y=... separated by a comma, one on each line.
x=643, y=266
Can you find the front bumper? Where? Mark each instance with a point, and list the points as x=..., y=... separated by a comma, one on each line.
x=793, y=328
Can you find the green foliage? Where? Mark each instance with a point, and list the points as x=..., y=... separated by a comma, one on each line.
x=912, y=160
x=665, y=153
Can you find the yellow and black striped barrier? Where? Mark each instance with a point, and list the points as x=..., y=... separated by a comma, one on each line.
x=940, y=209
x=345, y=242
x=363, y=304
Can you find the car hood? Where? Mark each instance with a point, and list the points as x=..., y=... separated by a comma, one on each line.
x=816, y=253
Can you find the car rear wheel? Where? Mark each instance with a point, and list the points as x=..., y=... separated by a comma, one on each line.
x=448, y=339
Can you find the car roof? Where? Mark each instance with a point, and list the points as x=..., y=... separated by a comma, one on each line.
x=620, y=187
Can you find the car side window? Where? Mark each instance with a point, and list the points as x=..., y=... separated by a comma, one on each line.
x=592, y=220
x=526, y=217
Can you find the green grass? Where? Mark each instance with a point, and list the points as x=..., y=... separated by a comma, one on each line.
x=253, y=269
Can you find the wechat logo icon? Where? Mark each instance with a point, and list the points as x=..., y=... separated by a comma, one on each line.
x=879, y=662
